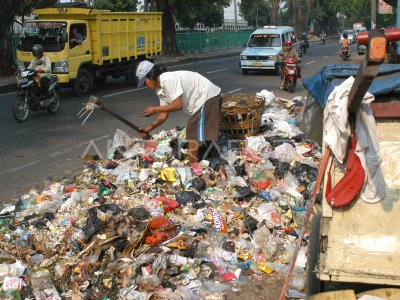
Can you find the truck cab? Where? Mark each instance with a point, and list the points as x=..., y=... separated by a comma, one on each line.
x=111, y=43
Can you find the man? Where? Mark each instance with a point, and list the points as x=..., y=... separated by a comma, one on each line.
x=288, y=52
x=76, y=38
x=183, y=90
x=42, y=64
x=304, y=37
x=345, y=41
x=323, y=35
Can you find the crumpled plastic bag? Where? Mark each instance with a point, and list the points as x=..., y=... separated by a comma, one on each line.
x=257, y=143
x=267, y=95
x=286, y=153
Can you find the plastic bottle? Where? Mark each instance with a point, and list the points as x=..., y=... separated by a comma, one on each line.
x=43, y=287
x=215, y=287
x=265, y=241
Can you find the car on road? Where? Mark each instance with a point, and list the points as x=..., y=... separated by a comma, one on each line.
x=350, y=35
x=361, y=49
x=358, y=30
x=262, y=48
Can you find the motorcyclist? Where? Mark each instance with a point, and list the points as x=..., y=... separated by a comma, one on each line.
x=42, y=64
x=345, y=43
x=304, y=37
x=288, y=52
x=322, y=35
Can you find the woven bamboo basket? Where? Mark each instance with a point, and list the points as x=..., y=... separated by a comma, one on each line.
x=241, y=115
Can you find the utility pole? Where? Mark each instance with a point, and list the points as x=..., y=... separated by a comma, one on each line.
x=373, y=14
x=146, y=5
x=235, y=11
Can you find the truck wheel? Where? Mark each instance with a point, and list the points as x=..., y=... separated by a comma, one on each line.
x=130, y=77
x=83, y=82
x=313, y=284
x=245, y=71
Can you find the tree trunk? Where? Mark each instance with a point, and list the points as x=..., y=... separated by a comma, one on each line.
x=275, y=12
x=5, y=53
x=168, y=28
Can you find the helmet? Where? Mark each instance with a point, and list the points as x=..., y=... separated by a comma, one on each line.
x=288, y=43
x=37, y=51
x=345, y=35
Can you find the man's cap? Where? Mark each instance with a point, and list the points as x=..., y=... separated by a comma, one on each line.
x=142, y=70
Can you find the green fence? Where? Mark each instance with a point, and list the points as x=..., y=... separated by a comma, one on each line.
x=193, y=41
x=199, y=41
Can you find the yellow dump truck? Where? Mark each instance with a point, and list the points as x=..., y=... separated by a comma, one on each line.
x=87, y=45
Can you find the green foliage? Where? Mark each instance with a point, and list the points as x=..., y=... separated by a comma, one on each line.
x=256, y=12
x=117, y=5
x=190, y=12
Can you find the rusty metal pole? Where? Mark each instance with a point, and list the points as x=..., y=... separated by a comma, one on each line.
x=373, y=14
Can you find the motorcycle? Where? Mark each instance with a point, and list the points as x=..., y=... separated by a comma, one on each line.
x=322, y=40
x=29, y=96
x=303, y=47
x=290, y=73
x=344, y=53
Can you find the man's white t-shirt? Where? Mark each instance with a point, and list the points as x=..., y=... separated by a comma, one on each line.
x=193, y=88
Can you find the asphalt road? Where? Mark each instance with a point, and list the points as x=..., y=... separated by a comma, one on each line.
x=49, y=147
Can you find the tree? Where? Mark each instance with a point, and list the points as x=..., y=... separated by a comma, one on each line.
x=256, y=12
x=168, y=25
x=8, y=10
x=117, y=5
x=188, y=13
x=275, y=11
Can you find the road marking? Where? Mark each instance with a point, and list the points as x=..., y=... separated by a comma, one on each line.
x=58, y=153
x=230, y=92
x=123, y=92
x=326, y=56
x=309, y=63
x=7, y=94
x=217, y=71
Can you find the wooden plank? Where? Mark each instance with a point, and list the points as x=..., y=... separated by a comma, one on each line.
x=390, y=109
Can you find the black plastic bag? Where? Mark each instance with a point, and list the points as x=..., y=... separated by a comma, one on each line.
x=305, y=174
x=176, y=148
x=278, y=140
x=115, y=209
x=281, y=168
x=120, y=244
x=119, y=152
x=217, y=162
x=92, y=226
x=185, y=197
x=139, y=213
x=199, y=184
x=245, y=193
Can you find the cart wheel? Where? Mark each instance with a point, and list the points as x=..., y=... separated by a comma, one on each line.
x=313, y=284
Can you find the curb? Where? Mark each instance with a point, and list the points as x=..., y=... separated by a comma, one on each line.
x=177, y=60
x=8, y=87
x=163, y=62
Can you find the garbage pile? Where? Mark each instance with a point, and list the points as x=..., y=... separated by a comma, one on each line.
x=141, y=224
